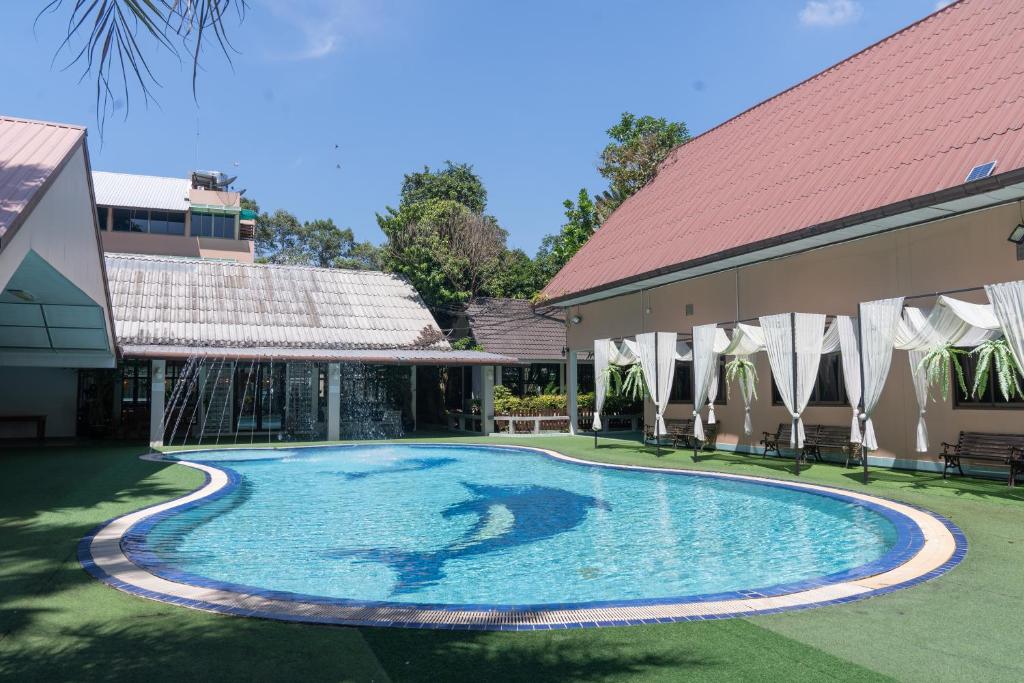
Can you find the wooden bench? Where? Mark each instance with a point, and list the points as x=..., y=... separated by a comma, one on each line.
x=816, y=437
x=1004, y=449
x=39, y=420
x=710, y=442
x=674, y=427
x=833, y=437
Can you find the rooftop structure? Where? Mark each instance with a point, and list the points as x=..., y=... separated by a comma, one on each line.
x=884, y=139
x=195, y=216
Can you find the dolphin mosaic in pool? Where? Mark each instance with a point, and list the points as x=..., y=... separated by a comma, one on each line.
x=410, y=465
x=443, y=527
x=506, y=516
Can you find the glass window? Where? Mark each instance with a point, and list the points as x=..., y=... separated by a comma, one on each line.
x=512, y=377
x=542, y=379
x=584, y=377
x=135, y=382
x=131, y=220
x=829, y=389
x=682, y=383
x=101, y=216
x=167, y=223
x=990, y=398
x=211, y=225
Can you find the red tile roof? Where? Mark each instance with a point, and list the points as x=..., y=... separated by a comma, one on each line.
x=30, y=153
x=906, y=117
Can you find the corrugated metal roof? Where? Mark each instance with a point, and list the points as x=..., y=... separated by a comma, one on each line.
x=141, y=191
x=30, y=153
x=513, y=327
x=905, y=118
x=381, y=356
x=161, y=300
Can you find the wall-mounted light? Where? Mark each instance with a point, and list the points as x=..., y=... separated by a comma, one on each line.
x=647, y=310
x=576, y=319
x=1017, y=235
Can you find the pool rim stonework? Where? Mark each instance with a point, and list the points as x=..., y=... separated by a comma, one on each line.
x=937, y=545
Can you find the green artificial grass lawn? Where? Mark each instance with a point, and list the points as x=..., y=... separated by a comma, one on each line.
x=58, y=623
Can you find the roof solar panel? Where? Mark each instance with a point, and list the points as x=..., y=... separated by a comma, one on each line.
x=979, y=172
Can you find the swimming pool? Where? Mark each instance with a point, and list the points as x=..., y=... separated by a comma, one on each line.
x=507, y=529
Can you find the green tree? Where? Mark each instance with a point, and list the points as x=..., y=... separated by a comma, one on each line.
x=639, y=144
x=455, y=182
x=516, y=277
x=281, y=238
x=581, y=222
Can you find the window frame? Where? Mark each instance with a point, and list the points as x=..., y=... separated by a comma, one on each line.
x=843, y=402
x=723, y=393
x=993, y=403
x=198, y=228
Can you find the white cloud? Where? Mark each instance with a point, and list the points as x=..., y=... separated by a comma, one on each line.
x=312, y=29
x=830, y=12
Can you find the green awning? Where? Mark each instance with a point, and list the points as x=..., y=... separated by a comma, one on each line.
x=214, y=209
x=247, y=215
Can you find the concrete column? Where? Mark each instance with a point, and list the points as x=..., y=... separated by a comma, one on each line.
x=412, y=390
x=561, y=378
x=487, y=398
x=497, y=375
x=157, y=375
x=333, y=401
x=572, y=372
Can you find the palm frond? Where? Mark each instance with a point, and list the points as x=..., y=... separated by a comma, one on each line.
x=115, y=37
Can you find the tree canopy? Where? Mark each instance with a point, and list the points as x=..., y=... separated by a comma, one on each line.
x=456, y=182
x=282, y=238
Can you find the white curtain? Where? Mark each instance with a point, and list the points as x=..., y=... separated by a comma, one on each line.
x=779, y=333
x=657, y=353
x=601, y=349
x=705, y=366
x=623, y=354
x=1008, y=305
x=713, y=392
x=921, y=392
x=879, y=321
x=848, y=347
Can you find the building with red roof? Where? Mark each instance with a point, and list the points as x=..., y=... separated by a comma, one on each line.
x=898, y=171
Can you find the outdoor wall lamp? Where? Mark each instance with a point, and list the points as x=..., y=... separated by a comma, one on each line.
x=1017, y=236
x=576, y=319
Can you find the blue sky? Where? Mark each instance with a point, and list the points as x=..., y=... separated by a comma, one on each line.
x=521, y=90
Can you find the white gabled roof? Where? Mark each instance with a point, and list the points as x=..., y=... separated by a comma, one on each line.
x=141, y=191
x=182, y=302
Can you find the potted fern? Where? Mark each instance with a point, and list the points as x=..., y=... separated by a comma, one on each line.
x=742, y=371
x=938, y=366
x=611, y=379
x=634, y=386
x=996, y=354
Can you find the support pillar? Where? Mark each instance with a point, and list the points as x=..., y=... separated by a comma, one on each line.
x=333, y=401
x=412, y=390
x=572, y=375
x=561, y=378
x=157, y=375
x=487, y=399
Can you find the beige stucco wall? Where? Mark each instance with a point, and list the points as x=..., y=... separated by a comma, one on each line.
x=178, y=245
x=965, y=251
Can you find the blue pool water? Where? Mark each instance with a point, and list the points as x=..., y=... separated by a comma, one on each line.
x=459, y=525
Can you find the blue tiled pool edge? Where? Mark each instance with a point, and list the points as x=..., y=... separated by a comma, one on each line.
x=909, y=543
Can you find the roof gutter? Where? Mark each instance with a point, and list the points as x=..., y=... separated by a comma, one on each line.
x=986, y=193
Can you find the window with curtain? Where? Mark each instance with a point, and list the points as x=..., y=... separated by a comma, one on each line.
x=829, y=388
x=682, y=383
x=992, y=398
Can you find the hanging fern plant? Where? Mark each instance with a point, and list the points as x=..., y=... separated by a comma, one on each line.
x=996, y=353
x=611, y=378
x=634, y=387
x=938, y=366
x=741, y=370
